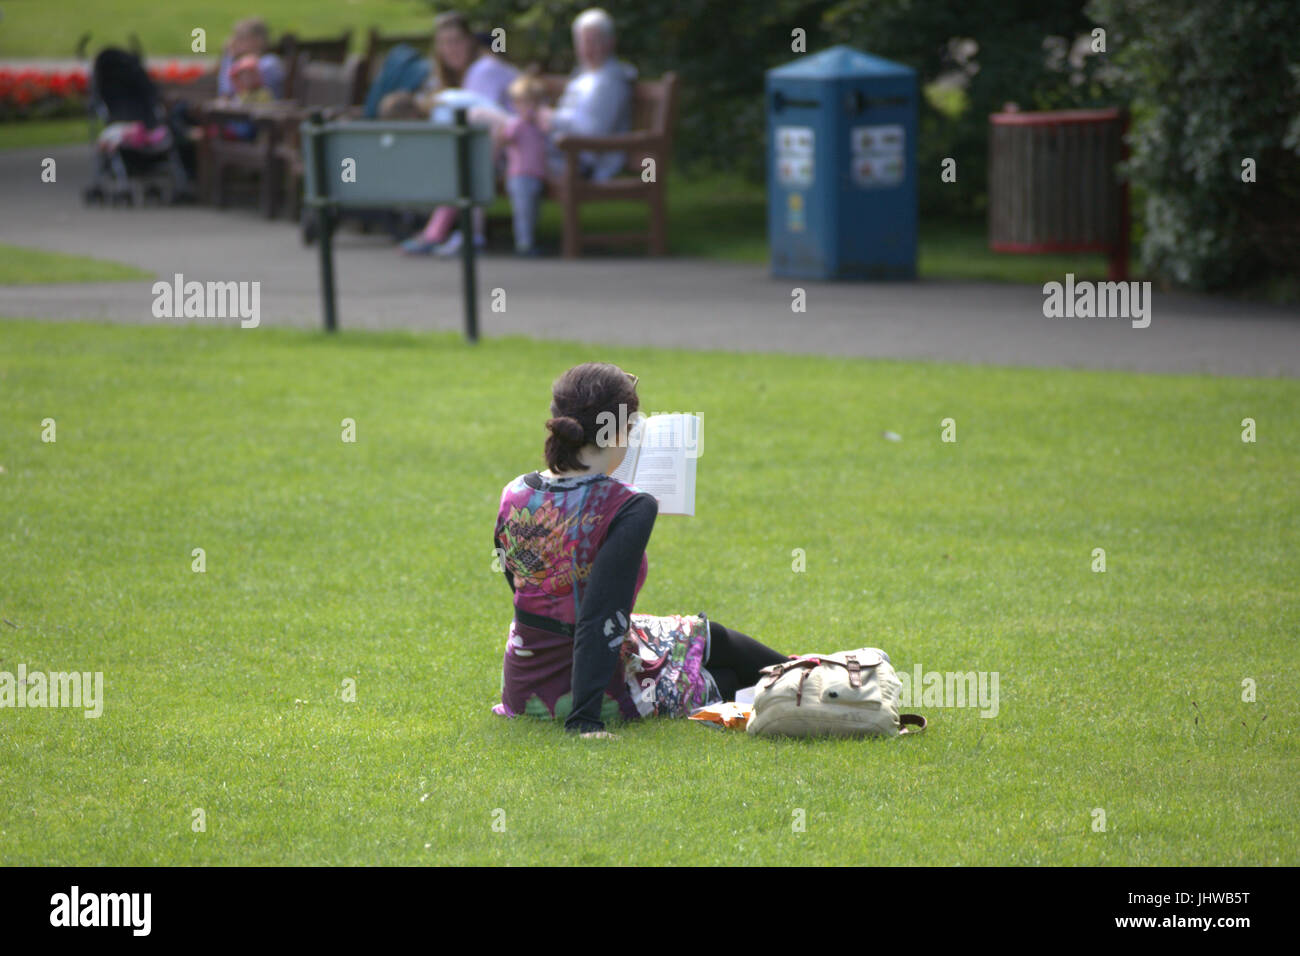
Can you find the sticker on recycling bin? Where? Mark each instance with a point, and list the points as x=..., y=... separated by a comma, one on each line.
x=877, y=155
x=794, y=212
x=794, y=156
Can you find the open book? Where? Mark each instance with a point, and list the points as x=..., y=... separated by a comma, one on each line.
x=660, y=459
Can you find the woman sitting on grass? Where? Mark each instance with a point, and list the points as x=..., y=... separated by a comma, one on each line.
x=572, y=542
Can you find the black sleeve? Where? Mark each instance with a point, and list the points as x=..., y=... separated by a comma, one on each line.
x=606, y=604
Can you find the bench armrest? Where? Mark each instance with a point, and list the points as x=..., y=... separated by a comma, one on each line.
x=615, y=141
x=263, y=121
x=225, y=114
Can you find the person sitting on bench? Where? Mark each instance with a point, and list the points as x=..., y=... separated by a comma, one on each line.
x=464, y=73
x=597, y=100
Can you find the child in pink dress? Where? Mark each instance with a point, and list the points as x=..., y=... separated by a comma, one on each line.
x=525, y=148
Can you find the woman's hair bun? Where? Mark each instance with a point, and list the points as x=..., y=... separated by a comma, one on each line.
x=570, y=429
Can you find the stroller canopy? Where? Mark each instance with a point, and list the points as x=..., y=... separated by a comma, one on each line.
x=124, y=89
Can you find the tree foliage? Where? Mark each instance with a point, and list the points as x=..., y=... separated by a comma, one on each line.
x=1212, y=84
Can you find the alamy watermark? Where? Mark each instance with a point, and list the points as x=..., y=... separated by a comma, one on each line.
x=1102, y=300
x=208, y=300
x=656, y=430
x=75, y=908
x=53, y=689
x=924, y=689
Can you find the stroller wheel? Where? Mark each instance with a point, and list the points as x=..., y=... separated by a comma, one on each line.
x=93, y=194
x=152, y=194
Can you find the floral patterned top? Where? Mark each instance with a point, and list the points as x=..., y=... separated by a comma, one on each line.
x=550, y=534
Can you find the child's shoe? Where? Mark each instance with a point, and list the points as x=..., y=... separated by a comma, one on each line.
x=452, y=246
x=419, y=246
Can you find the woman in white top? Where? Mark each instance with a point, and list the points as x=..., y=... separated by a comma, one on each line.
x=464, y=75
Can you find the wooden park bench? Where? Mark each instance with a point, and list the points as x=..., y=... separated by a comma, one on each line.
x=295, y=52
x=315, y=70
x=654, y=118
x=274, y=154
x=331, y=89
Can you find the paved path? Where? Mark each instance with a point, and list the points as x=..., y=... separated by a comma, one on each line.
x=671, y=302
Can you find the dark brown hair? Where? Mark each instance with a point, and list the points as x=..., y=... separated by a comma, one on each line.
x=578, y=398
x=401, y=105
x=447, y=77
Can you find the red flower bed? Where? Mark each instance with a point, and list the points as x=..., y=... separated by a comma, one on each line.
x=34, y=93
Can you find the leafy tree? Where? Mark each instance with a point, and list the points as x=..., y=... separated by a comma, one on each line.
x=1213, y=84
x=1210, y=83
x=1015, y=51
x=719, y=48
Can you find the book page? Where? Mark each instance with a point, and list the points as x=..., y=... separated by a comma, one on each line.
x=663, y=467
x=627, y=469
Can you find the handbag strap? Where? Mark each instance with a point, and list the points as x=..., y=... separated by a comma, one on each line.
x=850, y=663
x=774, y=671
x=911, y=724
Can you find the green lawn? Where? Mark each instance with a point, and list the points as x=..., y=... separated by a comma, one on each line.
x=722, y=217
x=52, y=27
x=47, y=132
x=711, y=216
x=22, y=266
x=328, y=561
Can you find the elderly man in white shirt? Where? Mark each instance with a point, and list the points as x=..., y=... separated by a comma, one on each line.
x=597, y=100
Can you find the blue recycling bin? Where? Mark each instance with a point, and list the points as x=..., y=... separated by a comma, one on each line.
x=841, y=167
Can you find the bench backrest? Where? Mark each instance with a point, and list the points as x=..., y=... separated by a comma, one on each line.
x=324, y=84
x=324, y=49
x=199, y=90
x=294, y=51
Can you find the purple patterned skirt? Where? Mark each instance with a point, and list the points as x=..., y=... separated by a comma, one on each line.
x=663, y=664
x=661, y=671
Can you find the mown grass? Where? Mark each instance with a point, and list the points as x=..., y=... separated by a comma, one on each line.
x=21, y=134
x=20, y=265
x=712, y=215
x=52, y=27
x=327, y=561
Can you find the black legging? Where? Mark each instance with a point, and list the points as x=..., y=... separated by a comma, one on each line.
x=735, y=659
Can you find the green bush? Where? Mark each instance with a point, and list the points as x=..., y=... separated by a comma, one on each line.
x=722, y=48
x=1015, y=51
x=1209, y=84
x=1212, y=84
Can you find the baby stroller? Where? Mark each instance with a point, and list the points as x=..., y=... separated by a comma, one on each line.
x=135, y=153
